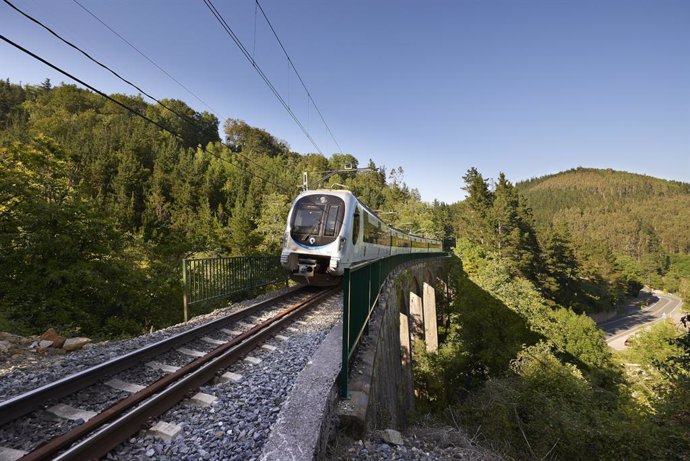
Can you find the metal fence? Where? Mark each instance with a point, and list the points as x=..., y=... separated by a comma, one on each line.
x=361, y=289
x=208, y=279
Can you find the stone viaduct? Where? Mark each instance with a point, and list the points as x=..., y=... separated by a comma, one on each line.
x=381, y=387
x=381, y=390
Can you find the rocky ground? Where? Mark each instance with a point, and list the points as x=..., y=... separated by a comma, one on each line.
x=424, y=441
x=20, y=352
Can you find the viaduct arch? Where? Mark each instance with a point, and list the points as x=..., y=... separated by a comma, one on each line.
x=382, y=383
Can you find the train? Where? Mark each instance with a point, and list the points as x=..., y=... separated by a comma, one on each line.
x=330, y=230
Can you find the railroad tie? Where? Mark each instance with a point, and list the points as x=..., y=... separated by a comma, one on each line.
x=74, y=414
x=229, y=377
x=231, y=332
x=166, y=431
x=203, y=400
x=162, y=367
x=190, y=352
x=10, y=454
x=216, y=342
x=124, y=386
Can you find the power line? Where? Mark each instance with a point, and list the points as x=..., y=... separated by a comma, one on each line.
x=91, y=58
x=298, y=75
x=247, y=158
x=133, y=111
x=146, y=57
x=67, y=74
x=258, y=69
x=72, y=45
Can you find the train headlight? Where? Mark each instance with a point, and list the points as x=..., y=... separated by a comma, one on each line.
x=341, y=245
x=285, y=239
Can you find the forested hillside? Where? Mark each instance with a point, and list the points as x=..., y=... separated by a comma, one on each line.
x=498, y=223
x=642, y=221
x=523, y=368
x=98, y=206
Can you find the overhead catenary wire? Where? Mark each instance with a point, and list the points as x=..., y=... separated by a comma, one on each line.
x=146, y=57
x=247, y=158
x=95, y=90
x=180, y=115
x=258, y=69
x=304, y=85
x=131, y=110
x=87, y=55
x=91, y=58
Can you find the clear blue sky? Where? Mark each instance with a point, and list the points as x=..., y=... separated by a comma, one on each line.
x=524, y=87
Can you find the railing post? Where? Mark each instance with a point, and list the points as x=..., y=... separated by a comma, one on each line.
x=369, y=303
x=185, y=290
x=251, y=272
x=346, y=335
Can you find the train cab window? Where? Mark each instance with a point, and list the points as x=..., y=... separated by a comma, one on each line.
x=308, y=220
x=331, y=221
x=317, y=219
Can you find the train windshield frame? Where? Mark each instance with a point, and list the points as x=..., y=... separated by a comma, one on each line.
x=317, y=219
x=307, y=219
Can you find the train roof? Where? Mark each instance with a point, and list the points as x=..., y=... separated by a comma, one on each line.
x=336, y=192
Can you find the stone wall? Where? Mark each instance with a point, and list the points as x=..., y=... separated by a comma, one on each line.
x=381, y=382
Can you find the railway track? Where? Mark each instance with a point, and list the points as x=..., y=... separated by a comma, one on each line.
x=111, y=425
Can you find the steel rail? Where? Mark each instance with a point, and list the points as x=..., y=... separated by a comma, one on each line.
x=23, y=404
x=162, y=394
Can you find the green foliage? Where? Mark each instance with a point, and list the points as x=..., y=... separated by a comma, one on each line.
x=11, y=98
x=675, y=405
x=271, y=222
x=546, y=409
x=659, y=369
x=64, y=261
x=615, y=215
x=500, y=223
x=98, y=207
x=536, y=380
x=241, y=137
x=574, y=336
x=595, y=238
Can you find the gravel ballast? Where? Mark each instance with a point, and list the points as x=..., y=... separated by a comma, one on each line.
x=429, y=442
x=37, y=369
x=40, y=369
x=237, y=425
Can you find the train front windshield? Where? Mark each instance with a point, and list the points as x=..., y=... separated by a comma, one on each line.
x=308, y=220
x=317, y=219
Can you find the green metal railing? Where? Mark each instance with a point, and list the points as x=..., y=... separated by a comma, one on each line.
x=361, y=289
x=208, y=279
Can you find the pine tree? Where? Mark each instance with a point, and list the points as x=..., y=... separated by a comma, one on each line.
x=476, y=209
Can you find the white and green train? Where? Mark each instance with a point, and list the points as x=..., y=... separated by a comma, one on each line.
x=330, y=230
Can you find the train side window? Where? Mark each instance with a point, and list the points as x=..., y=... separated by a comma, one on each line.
x=331, y=221
x=355, y=227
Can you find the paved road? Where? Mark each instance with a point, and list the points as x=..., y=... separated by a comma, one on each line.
x=619, y=329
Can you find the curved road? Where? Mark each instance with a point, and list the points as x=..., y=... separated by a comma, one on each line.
x=619, y=329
